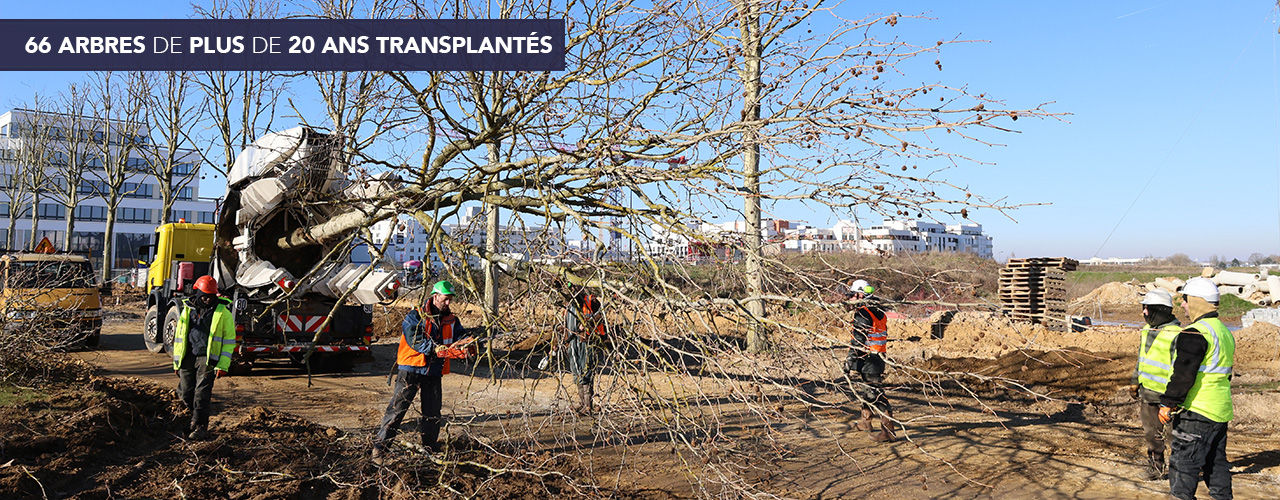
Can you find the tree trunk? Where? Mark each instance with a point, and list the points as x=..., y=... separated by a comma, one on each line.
x=108, y=241
x=71, y=227
x=35, y=224
x=756, y=339
x=491, y=248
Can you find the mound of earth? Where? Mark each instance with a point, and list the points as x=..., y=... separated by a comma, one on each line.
x=80, y=436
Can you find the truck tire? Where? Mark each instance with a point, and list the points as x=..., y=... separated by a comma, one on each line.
x=170, y=329
x=151, y=328
x=93, y=339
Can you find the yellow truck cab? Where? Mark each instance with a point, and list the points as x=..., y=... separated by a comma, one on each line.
x=179, y=253
x=51, y=294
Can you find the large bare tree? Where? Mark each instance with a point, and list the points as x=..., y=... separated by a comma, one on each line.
x=118, y=113
x=76, y=148
x=173, y=110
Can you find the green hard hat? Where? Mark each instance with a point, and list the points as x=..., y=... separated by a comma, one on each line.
x=443, y=288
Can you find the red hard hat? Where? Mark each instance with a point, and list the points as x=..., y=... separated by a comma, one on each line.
x=206, y=284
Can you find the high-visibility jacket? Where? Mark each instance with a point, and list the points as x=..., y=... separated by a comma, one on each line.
x=419, y=338
x=1211, y=394
x=1155, y=360
x=878, y=337
x=588, y=312
x=222, y=336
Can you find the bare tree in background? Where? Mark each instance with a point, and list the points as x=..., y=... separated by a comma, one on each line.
x=173, y=110
x=34, y=157
x=118, y=113
x=77, y=149
x=242, y=105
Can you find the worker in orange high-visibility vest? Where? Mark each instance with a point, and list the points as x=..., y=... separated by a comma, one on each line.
x=585, y=330
x=422, y=359
x=866, y=359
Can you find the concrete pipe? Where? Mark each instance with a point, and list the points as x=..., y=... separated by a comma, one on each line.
x=1207, y=272
x=1235, y=279
x=1230, y=290
x=1166, y=284
x=1274, y=283
x=1247, y=291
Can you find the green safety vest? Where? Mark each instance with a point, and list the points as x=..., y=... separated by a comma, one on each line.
x=1155, y=361
x=222, y=337
x=1211, y=394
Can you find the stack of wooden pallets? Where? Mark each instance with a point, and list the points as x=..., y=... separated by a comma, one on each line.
x=1035, y=290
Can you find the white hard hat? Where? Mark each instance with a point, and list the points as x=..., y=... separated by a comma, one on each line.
x=860, y=286
x=1200, y=287
x=1158, y=298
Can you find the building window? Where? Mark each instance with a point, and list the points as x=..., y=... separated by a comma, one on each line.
x=92, y=188
x=126, y=248
x=134, y=215
x=93, y=162
x=137, y=190
x=208, y=218
x=87, y=242
x=4, y=209
x=185, y=168
x=186, y=193
x=176, y=215
x=91, y=213
x=51, y=211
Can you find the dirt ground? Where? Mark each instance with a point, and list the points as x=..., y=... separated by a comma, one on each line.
x=1039, y=415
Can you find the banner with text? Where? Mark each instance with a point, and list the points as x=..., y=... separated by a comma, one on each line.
x=282, y=45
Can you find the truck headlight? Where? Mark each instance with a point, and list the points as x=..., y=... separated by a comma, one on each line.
x=91, y=313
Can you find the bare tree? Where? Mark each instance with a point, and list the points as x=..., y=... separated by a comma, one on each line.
x=118, y=113
x=242, y=105
x=33, y=152
x=172, y=111
x=76, y=148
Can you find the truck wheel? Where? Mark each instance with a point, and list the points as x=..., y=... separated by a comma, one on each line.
x=93, y=339
x=151, y=330
x=170, y=329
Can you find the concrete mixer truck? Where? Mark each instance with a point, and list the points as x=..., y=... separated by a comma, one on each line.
x=280, y=252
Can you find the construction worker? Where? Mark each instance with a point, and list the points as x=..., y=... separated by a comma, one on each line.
x=1155, y=364
x=203, y=344
x=585, y=329
x=870, y=335
x=1197, y=400
x=428, y=331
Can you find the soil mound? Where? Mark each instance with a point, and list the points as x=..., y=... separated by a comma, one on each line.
x=80, y=436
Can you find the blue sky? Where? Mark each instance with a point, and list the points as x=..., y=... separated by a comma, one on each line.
x=1181, y=94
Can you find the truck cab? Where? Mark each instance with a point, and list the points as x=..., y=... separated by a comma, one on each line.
x=178, y=254
x=51, y=294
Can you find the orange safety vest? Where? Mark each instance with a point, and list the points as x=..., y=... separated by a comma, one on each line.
x=409, y=356
x=878, y=337
x=587, y=311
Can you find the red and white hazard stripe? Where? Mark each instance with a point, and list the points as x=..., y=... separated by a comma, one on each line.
x=300, y=348
x=293, y=323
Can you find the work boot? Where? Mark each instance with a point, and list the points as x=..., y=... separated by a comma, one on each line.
x=886, y=429
x=200, y=434
x=1155, y=466
x=865, y=423
x=584, y=400
x=588, y=401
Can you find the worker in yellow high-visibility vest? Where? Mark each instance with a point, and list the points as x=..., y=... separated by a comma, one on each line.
x=1197, y=400
x=1155, y=364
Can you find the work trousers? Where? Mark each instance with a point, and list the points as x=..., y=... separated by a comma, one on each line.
x=1199, y=446
x=1154, y=433
x=195, y=386
x=583, y=357
x=409, y=384
x=868, y=386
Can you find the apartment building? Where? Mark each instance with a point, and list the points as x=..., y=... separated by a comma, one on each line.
x=409, y=240
x=62, y=137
